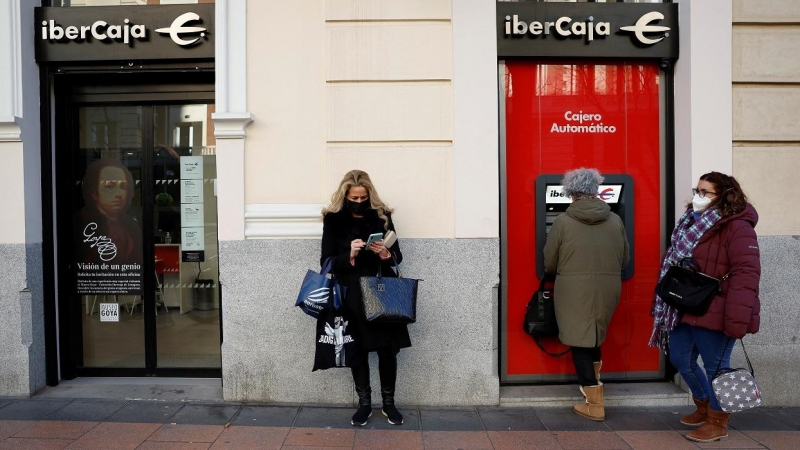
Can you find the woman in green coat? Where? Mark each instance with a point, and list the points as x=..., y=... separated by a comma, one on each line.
x=586, y=250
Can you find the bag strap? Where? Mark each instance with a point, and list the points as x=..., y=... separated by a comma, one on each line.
x=747, y=358
x=555, y=355
x=327, y=266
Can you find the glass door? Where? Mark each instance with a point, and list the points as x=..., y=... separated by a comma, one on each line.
x=143, y=253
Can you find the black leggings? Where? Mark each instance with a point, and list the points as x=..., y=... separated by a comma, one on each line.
x=584, y=359
x=387, y=369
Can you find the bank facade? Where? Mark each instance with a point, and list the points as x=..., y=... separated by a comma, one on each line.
x=232, y=122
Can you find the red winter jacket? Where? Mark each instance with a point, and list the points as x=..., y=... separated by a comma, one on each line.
x=731, y=246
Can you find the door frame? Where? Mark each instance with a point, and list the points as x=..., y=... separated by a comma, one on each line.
x=69, y=91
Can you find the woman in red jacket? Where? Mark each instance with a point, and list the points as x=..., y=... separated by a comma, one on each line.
x=717, y=230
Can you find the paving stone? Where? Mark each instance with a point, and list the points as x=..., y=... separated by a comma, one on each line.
x=320, y=437
x=9, y=428
x=656, y=440
x=775, y=440
x=199, y=414
x=757, y=420
x=456, y=440
x=618, y=420
x=187, y=433
x=528, y=440
x=510, y=419
x=155, y=445
x=321, y=417
x=387, y=440
x=266, y=416
x=115, y=435
x=580, y=440
x=31, y=409
x=568, y=421
x=87, y=411
x=255, y=438
x=34, y=444
x=56, y=430
x=145, y=412
x=450, y=420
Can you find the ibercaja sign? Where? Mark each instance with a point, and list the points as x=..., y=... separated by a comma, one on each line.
x=623, y=31
x=123, y=33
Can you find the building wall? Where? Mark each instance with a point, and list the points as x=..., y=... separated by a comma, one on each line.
x=766, y=158
x=22, y=360
x=342, y=84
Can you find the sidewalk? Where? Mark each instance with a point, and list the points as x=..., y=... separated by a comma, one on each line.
x=74, y=423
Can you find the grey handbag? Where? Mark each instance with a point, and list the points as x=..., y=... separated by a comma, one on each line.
x=736, y=389
x=389, y=299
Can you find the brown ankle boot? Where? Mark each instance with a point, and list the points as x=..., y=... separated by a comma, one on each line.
x=597, y=366
x=594, y=407
x=715, y=428
x=698, y=417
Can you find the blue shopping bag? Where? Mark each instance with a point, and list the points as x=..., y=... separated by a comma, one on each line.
x=316, y=290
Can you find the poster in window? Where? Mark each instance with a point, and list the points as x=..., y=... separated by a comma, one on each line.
x=108, y=240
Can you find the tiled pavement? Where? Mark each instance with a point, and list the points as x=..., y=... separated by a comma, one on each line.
x=48, y=423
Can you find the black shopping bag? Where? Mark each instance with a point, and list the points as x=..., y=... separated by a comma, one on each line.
x=336, y=344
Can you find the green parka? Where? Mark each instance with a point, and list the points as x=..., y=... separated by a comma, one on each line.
x=587, y=249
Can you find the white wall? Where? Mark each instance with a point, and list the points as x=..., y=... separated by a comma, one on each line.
x=363, y=84
x=477, y=165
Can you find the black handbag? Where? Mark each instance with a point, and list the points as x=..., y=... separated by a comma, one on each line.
x=540, y=316
x=336, y=345
x=389, y=299
x=687, y=289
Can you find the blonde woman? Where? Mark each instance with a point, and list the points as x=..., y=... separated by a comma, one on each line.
x=355, y=212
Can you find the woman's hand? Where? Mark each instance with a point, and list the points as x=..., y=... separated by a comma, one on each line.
x=355, y=246
x=379, y=249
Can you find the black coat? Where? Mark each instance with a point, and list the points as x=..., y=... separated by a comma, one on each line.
x=339, y=230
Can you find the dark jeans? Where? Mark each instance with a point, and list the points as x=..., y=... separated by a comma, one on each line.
x=686, y=343
x=584, y=359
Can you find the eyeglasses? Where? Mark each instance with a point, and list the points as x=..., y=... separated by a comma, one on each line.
x=702, y=192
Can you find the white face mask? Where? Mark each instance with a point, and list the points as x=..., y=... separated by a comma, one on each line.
x=700, y=203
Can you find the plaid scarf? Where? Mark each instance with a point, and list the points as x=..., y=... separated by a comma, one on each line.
x=685, y=237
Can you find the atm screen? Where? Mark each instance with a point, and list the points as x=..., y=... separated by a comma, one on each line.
x=610, y=193
x=556, y=202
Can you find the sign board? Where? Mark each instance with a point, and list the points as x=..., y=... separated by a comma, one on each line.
x=191, y=167
x=124, y=33
x=626, y=31
x=192, y=191
x=109, y=312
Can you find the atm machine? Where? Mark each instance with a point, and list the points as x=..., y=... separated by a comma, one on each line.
x=542, y=141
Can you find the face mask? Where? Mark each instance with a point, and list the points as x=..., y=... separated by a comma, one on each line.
x=700, y=203
x=358, y=207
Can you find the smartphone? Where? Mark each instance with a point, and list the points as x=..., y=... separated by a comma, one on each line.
x=374, y=237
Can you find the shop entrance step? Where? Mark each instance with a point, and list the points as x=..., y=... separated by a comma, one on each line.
x=616, y=394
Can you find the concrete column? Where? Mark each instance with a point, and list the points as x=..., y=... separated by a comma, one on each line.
x=231, y=116
x=703, y=97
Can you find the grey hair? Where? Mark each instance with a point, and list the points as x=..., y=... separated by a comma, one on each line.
x=582, y=183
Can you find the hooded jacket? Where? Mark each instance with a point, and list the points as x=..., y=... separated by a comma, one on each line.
x=731, y=246
x=586, y=249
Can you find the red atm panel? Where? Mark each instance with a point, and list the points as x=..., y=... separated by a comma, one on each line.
x=560, y=117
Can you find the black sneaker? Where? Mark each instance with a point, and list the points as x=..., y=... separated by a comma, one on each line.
x=392, y=414
x=361, y=416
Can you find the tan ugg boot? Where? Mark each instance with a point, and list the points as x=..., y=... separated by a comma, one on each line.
x=715, y=428
x=698, y=417
x=597, y=366
x=594, y=407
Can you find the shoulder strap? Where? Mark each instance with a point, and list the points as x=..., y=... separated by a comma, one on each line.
x=555, y=355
